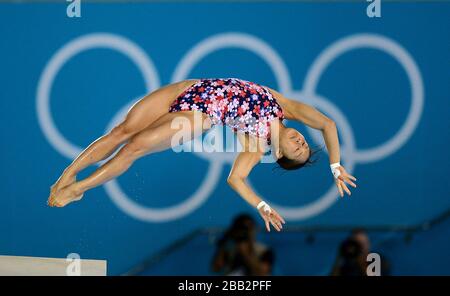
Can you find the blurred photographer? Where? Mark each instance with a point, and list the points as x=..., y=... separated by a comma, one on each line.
x=351, y=260
x=352, y=255
x=238, y=252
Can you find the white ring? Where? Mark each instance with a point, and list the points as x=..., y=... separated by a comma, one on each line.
x=57, y=61
x=403, y=57
x=166, y=214
x=174, y=212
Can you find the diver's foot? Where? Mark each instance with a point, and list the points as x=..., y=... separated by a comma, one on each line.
x=62, y=182
x=66, y=195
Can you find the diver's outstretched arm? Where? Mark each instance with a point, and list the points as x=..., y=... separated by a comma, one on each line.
x=242, y=166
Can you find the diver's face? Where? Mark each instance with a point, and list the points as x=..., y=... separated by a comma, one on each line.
x=293, y=145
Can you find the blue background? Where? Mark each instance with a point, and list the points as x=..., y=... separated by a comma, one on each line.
x=368, y=86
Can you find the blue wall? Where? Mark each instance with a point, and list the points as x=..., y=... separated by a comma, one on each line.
x=367, y=88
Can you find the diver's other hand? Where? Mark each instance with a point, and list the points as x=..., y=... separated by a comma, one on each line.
x=270, y=216
x=341, y=177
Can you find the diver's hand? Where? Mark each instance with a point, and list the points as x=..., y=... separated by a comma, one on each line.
x=270, y=216
x=341, y=177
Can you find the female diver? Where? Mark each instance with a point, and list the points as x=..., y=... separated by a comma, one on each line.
x=252, y=110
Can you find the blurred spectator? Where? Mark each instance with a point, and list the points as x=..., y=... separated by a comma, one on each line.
x=238, y=252
x=352, y=256
x=350, y=260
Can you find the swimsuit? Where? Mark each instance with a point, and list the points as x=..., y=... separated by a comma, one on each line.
x=242, y=105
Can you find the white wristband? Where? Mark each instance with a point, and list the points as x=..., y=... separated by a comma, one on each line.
x=334, y=169
x=265, y=207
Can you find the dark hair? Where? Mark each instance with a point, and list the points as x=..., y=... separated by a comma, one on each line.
x=240, y=221
x=350, y=248
x=239, y=229
x=350, y=252
x=291, y=164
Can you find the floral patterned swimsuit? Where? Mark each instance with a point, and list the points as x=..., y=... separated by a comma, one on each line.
x=242, y=105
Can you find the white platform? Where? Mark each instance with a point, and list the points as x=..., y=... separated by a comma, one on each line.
x=36, y=266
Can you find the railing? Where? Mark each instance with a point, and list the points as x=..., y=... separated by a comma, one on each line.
x=409, y=231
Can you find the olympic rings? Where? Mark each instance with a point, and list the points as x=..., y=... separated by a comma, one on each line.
x=351, y=155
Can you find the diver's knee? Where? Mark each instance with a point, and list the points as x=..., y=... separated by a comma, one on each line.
x=135, y=148
x=122, y=132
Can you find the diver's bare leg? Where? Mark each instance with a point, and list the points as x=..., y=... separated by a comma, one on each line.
x=154, y=138
x=142, y=114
